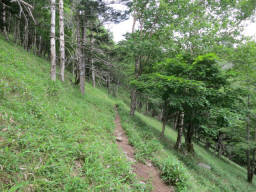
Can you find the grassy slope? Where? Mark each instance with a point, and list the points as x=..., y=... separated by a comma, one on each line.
x=52, y=138
x=225, y=176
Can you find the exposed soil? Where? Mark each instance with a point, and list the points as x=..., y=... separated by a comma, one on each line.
x=145, y=172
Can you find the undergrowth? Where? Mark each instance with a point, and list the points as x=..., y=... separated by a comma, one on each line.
x=177, y=168
x=51, y=137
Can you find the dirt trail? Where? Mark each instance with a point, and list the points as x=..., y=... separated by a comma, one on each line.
x=144, y=172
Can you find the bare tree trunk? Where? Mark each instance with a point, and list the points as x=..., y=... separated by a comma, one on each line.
x=34, y=43
x=189, y=138
x=176, y=119
x=133, y=92
x=164, y=118
x=93, y=74
x=108, y=85
x=9, y=23
x=80, y=60
x=133, y=102
x=220, y=144
x=25, y=41
x=180, y=126
x=62, y=40
x=248, y=152
x=4, y=22
x=53, y=45
x=17, y=37
x=40, y=46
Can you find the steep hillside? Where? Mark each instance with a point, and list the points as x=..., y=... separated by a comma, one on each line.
x=181, y=169
x=52, y=138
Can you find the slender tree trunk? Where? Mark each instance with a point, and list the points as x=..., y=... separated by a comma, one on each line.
x=62, y=40
x=4, y=22
x=53, y=45
x=35, y=40
x=220, y=144
x=180, y=127
x=147, y=106
x=80, y=60
x=9, y=23
x=133, y=92
x=93, y=74
x=108, y=85
x=40, y=46
x=175, y=121
x=164, y=118
x=248, y=152
x=84, y=46
x=18, y=29
x=133, y=102
x=25, y=41
x=189, y=138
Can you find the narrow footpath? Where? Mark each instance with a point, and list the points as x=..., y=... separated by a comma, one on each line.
x=145, y=172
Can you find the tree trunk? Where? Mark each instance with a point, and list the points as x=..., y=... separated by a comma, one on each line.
x=137, y=65
x=189, y=138
x=40, y=46
x=147, y=106
x=25, y=41
x=176, y=120
x=4, y=22
x=248, y=152
x=17, y=37
x=164, y=118
x=62, y=40
x=34, y=42
x=80, y=62
x=53, y=46
x=133, y=102
x=220, y=144
x=93, y=74
x=108, y=85
x=180, y=127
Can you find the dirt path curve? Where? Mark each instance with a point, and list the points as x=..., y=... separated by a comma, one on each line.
x=144, y=172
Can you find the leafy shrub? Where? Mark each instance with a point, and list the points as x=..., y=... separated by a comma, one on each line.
x=173, y=173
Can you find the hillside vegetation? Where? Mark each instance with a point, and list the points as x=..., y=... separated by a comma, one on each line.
x=182, y=168
x=54, y=139
x=51, y=137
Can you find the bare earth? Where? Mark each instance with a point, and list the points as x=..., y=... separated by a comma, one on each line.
x=144, y=172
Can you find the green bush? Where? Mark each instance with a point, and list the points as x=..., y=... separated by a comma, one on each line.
x=173, y=173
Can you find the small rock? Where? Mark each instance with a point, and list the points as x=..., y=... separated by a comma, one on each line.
x=119, y=139
x=149, y=164
x=4, y=129
x=131, y=159
x=204, y=166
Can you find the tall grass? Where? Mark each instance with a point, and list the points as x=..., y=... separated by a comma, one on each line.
x=51, y=137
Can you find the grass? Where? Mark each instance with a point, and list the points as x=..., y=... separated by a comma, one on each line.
x=54, y=139
x=224, y=176
x=51, y=137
